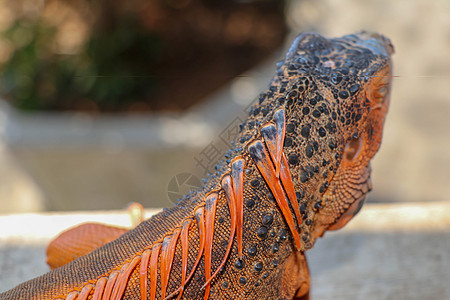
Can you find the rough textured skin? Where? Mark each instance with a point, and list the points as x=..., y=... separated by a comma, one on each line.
x=334, y=94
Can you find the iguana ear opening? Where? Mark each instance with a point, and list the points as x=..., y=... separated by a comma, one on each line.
x=352, y=149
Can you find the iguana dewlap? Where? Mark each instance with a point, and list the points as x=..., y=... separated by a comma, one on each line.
x=299, y=167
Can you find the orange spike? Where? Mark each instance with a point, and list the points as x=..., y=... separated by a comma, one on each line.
x=280, y=121
x=167, y=253
x=109, y=285
x=85, y=292
x=123, y=278
x=185, y=253
x=118, y=281
x=99, y=288
x=210, y=209
x=237, y=173
x=261, y=157
x=226, y=186
x=286, y=179
x=269, y=132
x=164, y=251
x=143, y=270
x=199, y=217
x=72, y=296
x=154, y=270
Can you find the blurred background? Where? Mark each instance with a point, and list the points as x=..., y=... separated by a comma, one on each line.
x=104, y=103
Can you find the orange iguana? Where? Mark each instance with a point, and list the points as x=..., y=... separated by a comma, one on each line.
x=299, y=167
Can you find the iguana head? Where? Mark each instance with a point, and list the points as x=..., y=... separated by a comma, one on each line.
x=347, y=190
x=338, y=99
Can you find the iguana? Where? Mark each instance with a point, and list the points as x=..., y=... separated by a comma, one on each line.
x=300, y=166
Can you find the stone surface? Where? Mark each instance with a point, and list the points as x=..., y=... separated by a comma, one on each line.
x=389, y=251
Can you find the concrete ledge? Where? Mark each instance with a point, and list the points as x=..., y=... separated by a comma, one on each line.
x=389, y=251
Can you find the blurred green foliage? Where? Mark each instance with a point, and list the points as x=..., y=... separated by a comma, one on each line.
x=112, y=68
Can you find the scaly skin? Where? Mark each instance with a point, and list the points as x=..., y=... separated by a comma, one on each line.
x=300, y=166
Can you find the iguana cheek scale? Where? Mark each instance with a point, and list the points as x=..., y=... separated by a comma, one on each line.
x=300, y=166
